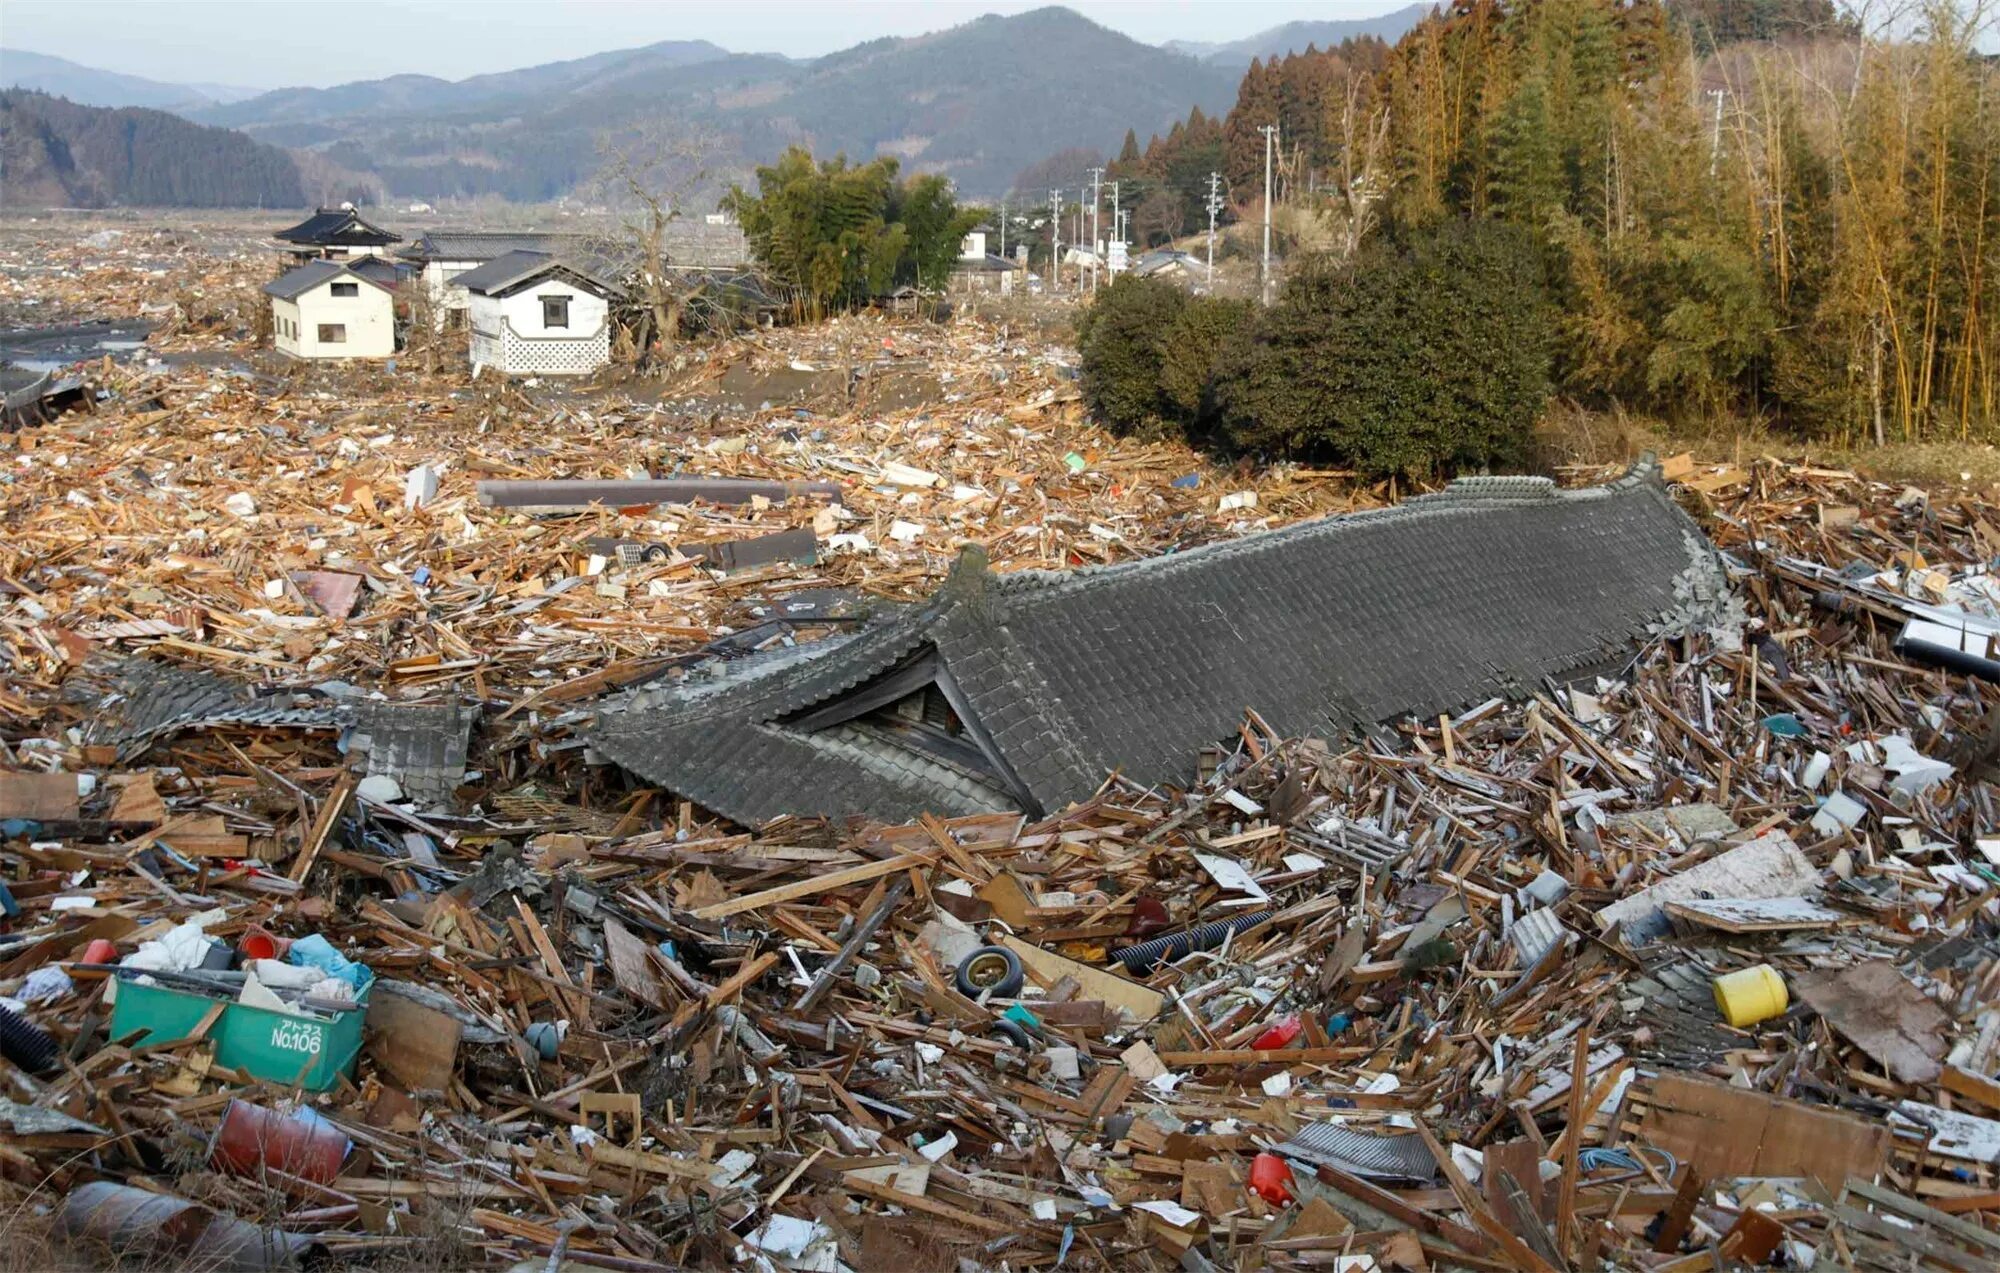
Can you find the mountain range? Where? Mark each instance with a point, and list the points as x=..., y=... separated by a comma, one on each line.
x=88, y=86
x=978, y=102
x=1295, y=36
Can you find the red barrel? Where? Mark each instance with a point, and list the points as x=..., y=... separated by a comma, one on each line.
x=253, y=1139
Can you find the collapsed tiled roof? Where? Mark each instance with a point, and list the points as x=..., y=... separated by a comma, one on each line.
x=136, y=702
x=1025, y=690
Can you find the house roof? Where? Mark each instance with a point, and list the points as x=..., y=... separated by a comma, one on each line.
x=293, y=284
x=1164, y=259
x=1486, y=588
x=486, y=245
x=337, y=227
x=506, y=274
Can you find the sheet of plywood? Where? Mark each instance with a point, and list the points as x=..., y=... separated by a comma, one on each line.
x=1720, y=1130
x=1142, y=1002
x=138, y=802
x=418, y=1046
x=1755, y=915
x=1883, y=1013
x=1952, y=1133
x=631, y=967
x=38, y=797
x=1769, y=866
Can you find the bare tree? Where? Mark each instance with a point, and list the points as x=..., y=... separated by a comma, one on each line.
x=1363, y=132
x=649, y=175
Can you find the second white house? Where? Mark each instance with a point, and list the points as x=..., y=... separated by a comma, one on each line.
x=533, y=313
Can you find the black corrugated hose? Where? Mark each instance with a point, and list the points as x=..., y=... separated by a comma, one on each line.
x=25, y=1043
x=1143, y=958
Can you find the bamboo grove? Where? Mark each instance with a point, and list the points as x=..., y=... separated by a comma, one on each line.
x=1762, y=209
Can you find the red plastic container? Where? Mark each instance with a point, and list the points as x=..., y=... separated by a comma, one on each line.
x=100, y=951
x=261, y=943
x=254, y=1139
x=1280, y=1035
x=1271, y=1179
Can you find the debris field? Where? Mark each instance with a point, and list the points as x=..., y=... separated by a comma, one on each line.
x=330, y=941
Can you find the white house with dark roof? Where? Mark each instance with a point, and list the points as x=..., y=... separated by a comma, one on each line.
x=335, y=309
x=441, y=256
x=534, y=313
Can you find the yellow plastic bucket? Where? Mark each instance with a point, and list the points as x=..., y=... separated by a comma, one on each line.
x=1750, y=995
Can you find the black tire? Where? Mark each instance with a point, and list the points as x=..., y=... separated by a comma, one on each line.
x=1014, y=1032
x=990, y=969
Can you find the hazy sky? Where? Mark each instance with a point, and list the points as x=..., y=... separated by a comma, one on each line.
x=276, y=43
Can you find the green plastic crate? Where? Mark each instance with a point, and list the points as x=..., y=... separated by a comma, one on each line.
x=294, y=1051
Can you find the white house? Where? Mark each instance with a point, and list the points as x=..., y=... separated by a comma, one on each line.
x=443, y=255
x=973, y=246
x=335, y=309
x=532, y=313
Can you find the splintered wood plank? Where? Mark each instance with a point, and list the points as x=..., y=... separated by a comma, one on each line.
x=323, y=825
x=812, y=887
x=1143, y=1002
x=577, y=1002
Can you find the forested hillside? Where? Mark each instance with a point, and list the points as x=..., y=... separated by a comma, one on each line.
x=1801, y=227
x=54, y=152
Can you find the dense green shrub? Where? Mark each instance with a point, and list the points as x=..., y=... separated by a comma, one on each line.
x=1195, y=343
x=1149, y=351
x=1121, y=339
x=1409, y=358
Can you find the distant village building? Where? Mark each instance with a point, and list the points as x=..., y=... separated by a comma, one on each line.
x=1165, y=263
x=534, y=313
x=443, y=256
x=334, y=234
x=335, y=309
x=986, y=272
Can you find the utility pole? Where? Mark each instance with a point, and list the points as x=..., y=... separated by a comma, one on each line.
x=1055, y=241
x=1080, y=194
x=1214, y=206
x=1096, y=202
x=1715, y=140
x=1116, y=231
x=1003, y=225
x=1270, y=132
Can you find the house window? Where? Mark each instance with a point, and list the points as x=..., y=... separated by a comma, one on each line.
x=347, y=289
x=333, y=333
x=555, y=311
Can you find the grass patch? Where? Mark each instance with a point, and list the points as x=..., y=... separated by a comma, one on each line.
x=1569, y=434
